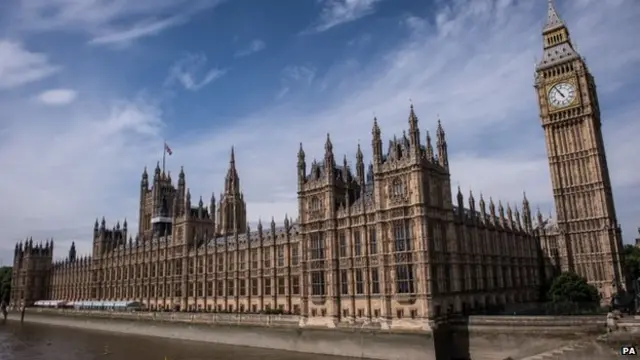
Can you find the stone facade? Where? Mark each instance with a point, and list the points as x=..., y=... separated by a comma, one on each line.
x=382, y=241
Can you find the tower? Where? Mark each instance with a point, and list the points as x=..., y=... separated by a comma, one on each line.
x=588, y=237
x=232, y=209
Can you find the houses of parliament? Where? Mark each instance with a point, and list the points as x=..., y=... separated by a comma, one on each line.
x=384, y=240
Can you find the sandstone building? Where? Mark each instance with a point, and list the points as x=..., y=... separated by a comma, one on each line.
x=382, y=240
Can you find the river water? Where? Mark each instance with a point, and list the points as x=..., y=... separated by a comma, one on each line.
x=41, y=342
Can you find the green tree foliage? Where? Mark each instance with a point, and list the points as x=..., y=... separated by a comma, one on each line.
x=570, y=288
x=5, y=283
x=632, y=260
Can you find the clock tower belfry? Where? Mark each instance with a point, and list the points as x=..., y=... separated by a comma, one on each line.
x=588, y=237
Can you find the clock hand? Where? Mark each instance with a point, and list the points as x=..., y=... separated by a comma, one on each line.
x=560, y=92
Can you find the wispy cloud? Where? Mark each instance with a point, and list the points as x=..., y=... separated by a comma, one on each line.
x=143, y=29
x=337, y=12
x=294, y=76
x=192, y=72
x=253, y=47
x=471, y=61
x=57, y=97
x=19, y=66
x=106, y=22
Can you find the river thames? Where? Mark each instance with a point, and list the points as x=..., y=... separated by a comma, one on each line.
x=41, y=342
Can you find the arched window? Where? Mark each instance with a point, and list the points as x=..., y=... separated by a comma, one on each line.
x=397, y=188
x=314, y=204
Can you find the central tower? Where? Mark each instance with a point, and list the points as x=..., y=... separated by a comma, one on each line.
x=233, y=209
x=589, y=238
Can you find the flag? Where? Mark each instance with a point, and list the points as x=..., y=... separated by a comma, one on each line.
x=167, y=149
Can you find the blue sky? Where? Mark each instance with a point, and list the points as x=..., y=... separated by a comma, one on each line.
x=88, y=90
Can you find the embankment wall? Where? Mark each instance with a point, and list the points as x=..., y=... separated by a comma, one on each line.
x=477, y=337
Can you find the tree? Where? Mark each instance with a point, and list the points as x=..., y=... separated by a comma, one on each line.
x=632, y=260
x=5, y=283
x=571, y=289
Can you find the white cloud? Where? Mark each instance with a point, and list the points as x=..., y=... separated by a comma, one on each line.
x=57, y=96
x=253, y=47
x=470, y=61
x=19, y=66
x=337, y=12
x=146, y=28
x=191, y=71
x=294, y=77
x=106, y=22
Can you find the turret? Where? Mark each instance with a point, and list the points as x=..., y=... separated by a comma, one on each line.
x=302, y=166
x=460, y=203
x=376, y=144
x=144, y=182
x=72, y=252
x=492, y=211
x=501, y=212
x=414, y=133
x=472, y=205
x=212, y=207
x=518, y=222
x=273, y=225
x=429, y=148
x=329, y=160
x=360, y=167
x=526, y=214
x=441, y=144
x=187, y=204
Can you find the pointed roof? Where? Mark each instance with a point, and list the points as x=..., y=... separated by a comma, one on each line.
x=553, y=19
x=557, y=52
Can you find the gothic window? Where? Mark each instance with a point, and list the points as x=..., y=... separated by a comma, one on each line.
x=266, y=257
x=397, y=188
x=401, y=236
x=281, y=255
x=295, y=285
x=281, y=285
x=373, y=244
x=314, y=204
x=210, y=288
x=230, y=262
x=230, y=288
x=254, y=287
x=267, y=286
x=220, y=288
x=243, y=287
x=317, y=246
x=344, y=282
x=254, y=259
x=294, y=255
x=317, y=283
x=342, y=244
x=404, y=279
x=241, y=260
x=220, y=263
x=375, y=281
x=357, y=243
x=210, y=264
x=359, y=282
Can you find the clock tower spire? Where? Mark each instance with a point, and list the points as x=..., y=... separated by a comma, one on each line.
x=587, y=237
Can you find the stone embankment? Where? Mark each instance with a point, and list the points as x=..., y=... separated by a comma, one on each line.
x=477, y=337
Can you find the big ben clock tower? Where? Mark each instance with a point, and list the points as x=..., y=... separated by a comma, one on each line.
x=588, y=236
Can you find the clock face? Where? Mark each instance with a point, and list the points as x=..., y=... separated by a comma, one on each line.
x=562, y=94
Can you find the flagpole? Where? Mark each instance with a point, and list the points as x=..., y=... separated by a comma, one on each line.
x=164, y=154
